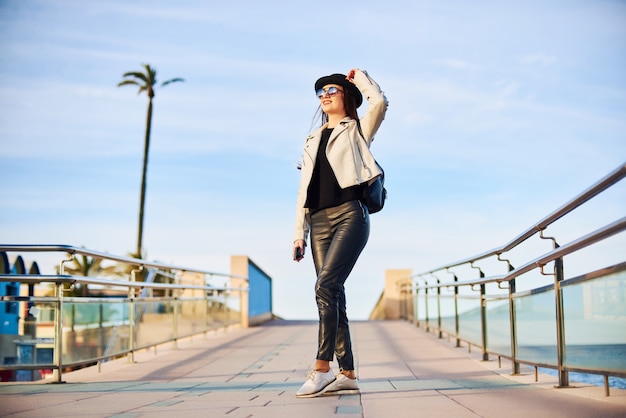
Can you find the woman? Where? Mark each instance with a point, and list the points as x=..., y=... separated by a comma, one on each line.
x=337, y=165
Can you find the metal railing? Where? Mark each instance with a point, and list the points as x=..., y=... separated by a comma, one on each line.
x=516, y=325
x=59, y=333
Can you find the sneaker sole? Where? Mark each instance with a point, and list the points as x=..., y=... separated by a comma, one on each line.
x=342, y=392
x=316, y=394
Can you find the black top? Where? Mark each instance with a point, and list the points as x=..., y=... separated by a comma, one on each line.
x=324, y=191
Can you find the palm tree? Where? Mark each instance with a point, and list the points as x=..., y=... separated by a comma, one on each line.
x=146, y=82
x=87, y=266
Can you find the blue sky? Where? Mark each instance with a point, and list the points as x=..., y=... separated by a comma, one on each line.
x=499, y=113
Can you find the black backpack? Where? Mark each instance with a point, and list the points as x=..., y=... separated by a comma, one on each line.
x=376, y=194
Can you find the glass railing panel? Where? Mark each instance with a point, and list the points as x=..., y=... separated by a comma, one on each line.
x=94, y=328
x=595, y=323
x=448, y=323
x=232, y=302
x=469, y=319
x=154, y=321
x=432, y=307
x=420, y=310
x=536, y=327
x=192, y=317
x=218, y=313
x=498, y=326
x=27, y=338
x=223, y=309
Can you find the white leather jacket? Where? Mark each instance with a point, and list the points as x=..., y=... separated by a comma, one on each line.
x=347, y=151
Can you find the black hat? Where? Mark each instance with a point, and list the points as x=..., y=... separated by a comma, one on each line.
x=340, y=80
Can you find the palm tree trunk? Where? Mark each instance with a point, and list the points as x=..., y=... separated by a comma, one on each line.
x=143, y=178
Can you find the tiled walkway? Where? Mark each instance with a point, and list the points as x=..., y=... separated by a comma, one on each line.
x=403, y=372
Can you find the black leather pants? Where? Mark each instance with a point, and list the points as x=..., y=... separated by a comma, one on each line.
x=338, y=235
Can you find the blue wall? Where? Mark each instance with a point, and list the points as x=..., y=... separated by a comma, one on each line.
x=9, y=315
x=260, y=296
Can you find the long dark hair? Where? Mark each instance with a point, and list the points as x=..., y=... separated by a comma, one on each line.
x=349, y=105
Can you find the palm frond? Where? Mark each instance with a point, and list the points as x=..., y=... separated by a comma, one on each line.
x=96, y=264
x=151, y=74
x=136, y=74
x=127, y=82
x=173, y=80
x=150, y=70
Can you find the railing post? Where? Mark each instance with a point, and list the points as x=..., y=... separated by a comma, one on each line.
x=227, y=313
x=456, y=313
x=401, y=309
x=426, y=305
x=560, y=322
x=440, y=333
x=131, y=330
x=410, y=306
x=406, y=297
x=175, y=319
x=131, y=317
x=206, y=310
x=515, y=365
x=58, y=336
x=483, y=318
x=483, y=312
x=57, y=374
x=416, y=315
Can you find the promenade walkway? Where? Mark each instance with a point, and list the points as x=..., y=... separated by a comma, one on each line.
x=403, y=371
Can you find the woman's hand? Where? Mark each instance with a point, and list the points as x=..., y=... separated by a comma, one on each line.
x=298, y=249
x=351, y=73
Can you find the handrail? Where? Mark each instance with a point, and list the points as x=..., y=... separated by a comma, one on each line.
x=479, y=285
x=206, y=299
x=616, y=175
x=578, y=244
x=58, y=300
x=70, y=249
x=68, y=279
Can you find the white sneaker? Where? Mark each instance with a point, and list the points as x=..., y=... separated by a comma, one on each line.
x=316, y=384
x=342, y=385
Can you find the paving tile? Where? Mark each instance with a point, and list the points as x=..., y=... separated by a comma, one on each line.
x=403, y=372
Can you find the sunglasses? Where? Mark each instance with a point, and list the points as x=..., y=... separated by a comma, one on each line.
x=331, y=91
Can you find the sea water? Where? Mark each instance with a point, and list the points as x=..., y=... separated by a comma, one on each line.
x=591, y=379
